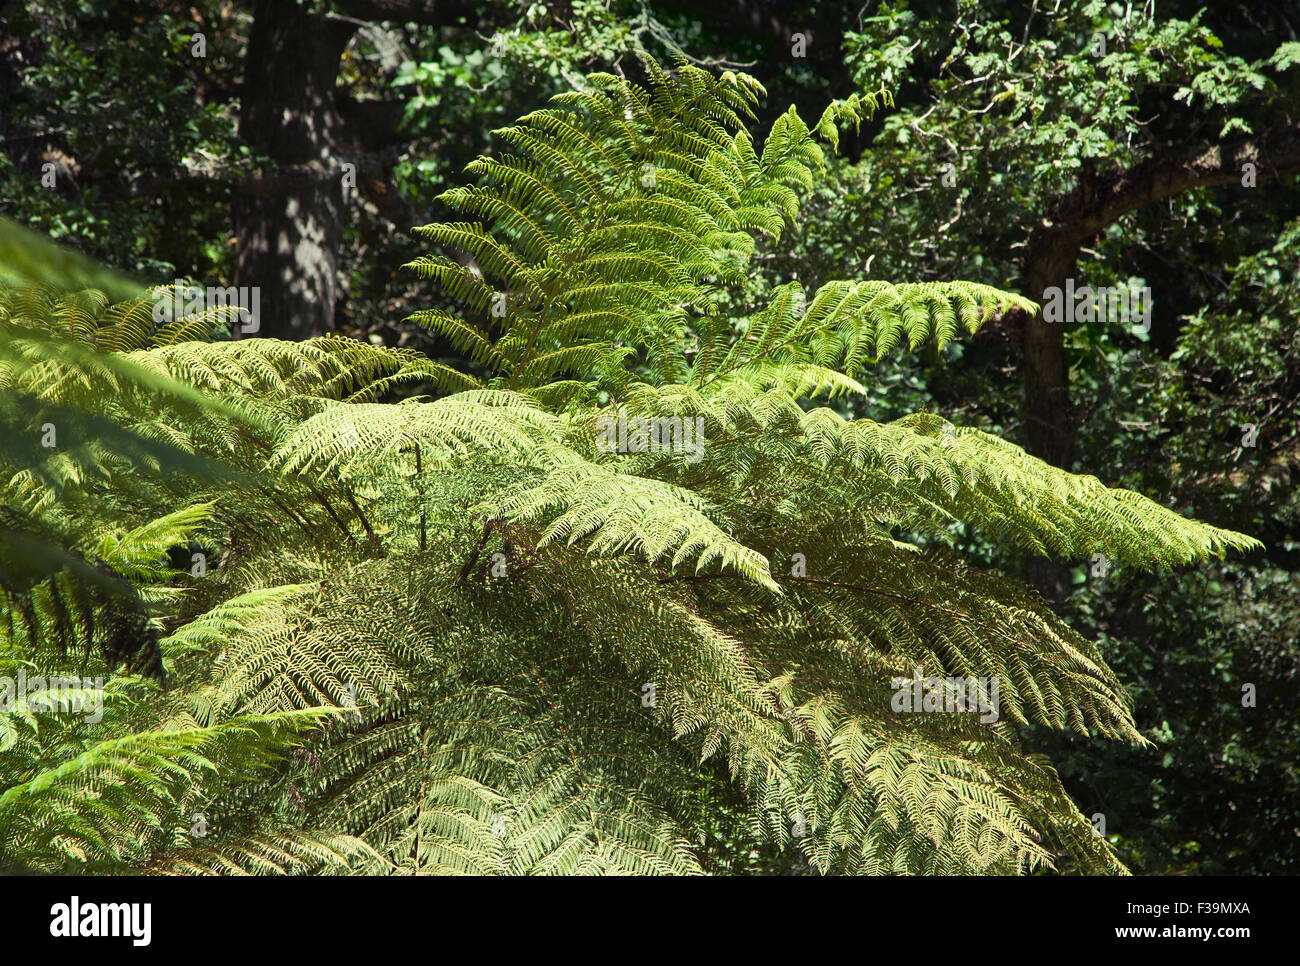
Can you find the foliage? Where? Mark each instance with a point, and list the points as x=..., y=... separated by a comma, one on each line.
x=494, y=644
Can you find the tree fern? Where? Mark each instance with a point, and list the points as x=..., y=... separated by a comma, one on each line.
x=497, y=644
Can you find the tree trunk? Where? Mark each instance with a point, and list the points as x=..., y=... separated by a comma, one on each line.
x=1049, y=417
x=289, y=229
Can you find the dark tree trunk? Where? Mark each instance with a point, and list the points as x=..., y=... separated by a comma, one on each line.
x=289, y=226
x=289, y=218
x=1048, y=415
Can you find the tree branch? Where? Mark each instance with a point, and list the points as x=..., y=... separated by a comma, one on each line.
x=1086, y=212
x=434, y=13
